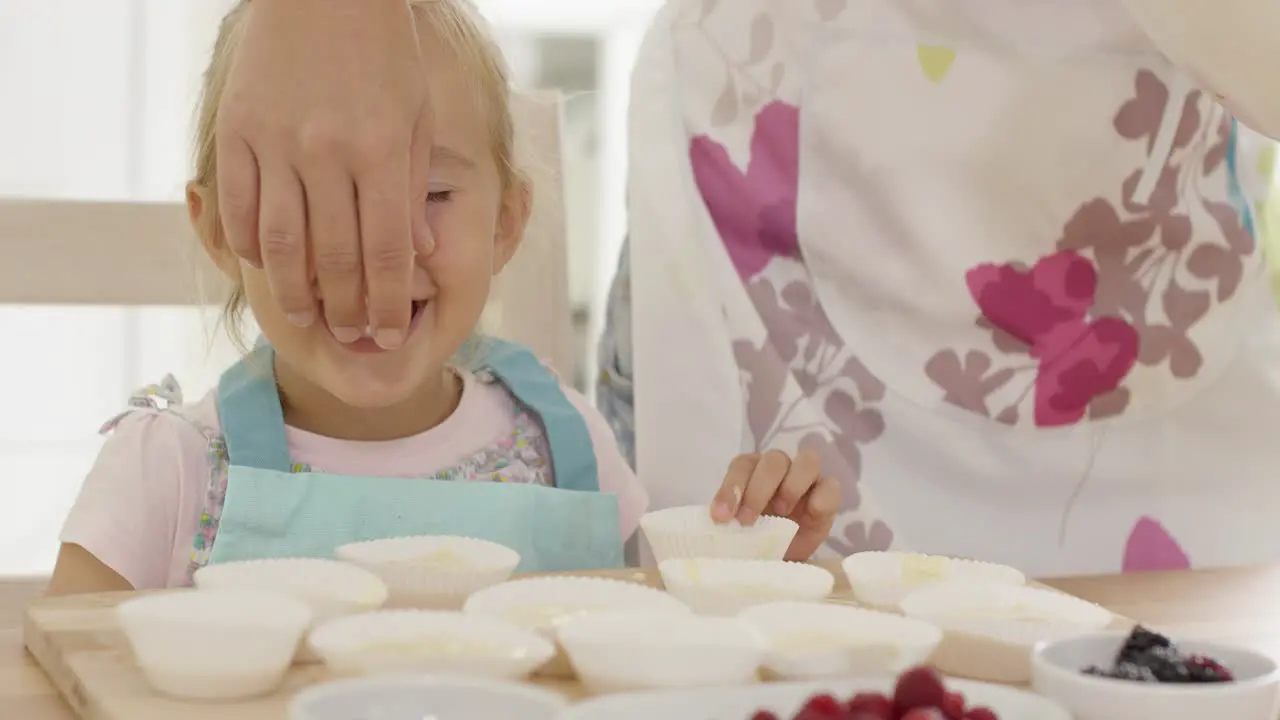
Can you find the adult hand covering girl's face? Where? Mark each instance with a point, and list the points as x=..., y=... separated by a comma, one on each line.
x=323, y=143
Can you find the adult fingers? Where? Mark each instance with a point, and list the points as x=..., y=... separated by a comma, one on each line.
x=238, y=195
x=282, y=228
x=420, y=180
x=815, y=514
x=763, y=486
x=386, y=241
x=727, y=500
x=806, y=467
x=335, y=238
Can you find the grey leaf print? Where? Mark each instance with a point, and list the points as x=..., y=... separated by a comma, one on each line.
x=726, y=107
x=761, y=39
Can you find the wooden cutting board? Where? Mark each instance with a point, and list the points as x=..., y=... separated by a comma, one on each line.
x=77, y=643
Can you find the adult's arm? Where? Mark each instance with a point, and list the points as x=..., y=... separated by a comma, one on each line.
x=1228, y=46
x=324, y=137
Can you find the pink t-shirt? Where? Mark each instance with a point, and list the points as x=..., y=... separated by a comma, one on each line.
x=138, y=511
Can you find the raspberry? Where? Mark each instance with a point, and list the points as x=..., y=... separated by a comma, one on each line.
x=981, y=713
x=953, y=705
x=820, y=707
x=764, y=715
x=929, y=713
x=875, y=705
x=918, y=688
x=1206, y=669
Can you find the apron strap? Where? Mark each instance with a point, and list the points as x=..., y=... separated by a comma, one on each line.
x=250, y=413
x=573, y=454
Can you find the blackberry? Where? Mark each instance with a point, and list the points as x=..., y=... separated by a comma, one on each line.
x=1132, y=672
x=1141, y=640
x=1166, y=663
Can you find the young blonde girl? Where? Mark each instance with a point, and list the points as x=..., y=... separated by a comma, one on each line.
x=318, y=437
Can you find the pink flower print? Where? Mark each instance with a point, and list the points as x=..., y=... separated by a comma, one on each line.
x=754, y=212
x=1046, y=308
x=1151, y=547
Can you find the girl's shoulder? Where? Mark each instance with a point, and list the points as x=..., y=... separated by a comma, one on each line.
x=160, y=409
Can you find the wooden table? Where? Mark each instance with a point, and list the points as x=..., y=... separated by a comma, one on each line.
x=1239, y=605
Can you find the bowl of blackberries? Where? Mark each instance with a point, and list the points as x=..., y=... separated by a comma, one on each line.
x=1145, y=674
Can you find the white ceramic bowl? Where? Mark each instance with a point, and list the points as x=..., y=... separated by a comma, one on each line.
x=882, y=580
x=720, y=586
x=689, y=532
x=817, y=640
x=213, y=645
x=331, y=588
x=1056, y=670
x=427, y=641
x=621, y=652
x=989, y=629
x=432, y=571
x=543, y=604
x=416, y=698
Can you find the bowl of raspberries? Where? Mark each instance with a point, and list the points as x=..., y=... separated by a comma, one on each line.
x=1143, y=673
x=918, y=694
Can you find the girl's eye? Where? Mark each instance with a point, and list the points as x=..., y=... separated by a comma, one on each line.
x=441, y=196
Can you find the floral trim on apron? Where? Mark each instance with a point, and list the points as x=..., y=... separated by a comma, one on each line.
x=521, y=457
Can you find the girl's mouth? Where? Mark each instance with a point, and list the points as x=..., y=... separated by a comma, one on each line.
x=366, y=344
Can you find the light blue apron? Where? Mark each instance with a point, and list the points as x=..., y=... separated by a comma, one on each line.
x=271, y=510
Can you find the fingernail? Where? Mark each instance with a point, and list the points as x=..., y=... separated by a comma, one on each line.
x=302, y=319
x=388, y=339
x=721, y=511
x=347, y=335
x=780, y=507
x=746, y=516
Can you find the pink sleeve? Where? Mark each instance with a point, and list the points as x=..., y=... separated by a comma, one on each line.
x=615, y=474
x=132, y=507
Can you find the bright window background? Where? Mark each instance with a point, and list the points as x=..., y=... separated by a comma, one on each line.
x=97, y=102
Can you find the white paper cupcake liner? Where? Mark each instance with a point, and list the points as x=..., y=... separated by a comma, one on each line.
x=820, y=640
x=689, y=532
x=432, y=571
x=621, y=652
x=720, y=586
x=425, y=641
x=331, y=588
x=883, y=579
x=213, y=645
x=990, y=628
x=543, y=604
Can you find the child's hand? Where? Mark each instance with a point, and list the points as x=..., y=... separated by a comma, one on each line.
x=774, y=484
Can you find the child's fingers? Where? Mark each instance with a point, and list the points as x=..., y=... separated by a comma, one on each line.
x=727, y=500
x=804, y=473
x=815, y=514
x=763, y=485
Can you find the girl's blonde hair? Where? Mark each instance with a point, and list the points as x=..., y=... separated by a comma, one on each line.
x=455, y=22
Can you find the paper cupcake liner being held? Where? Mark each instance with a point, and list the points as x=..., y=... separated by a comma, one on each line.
x=689, y=532
x=432, y=571
x=990, y=629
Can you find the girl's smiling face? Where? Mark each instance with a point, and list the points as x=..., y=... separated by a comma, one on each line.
x=477, y=212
